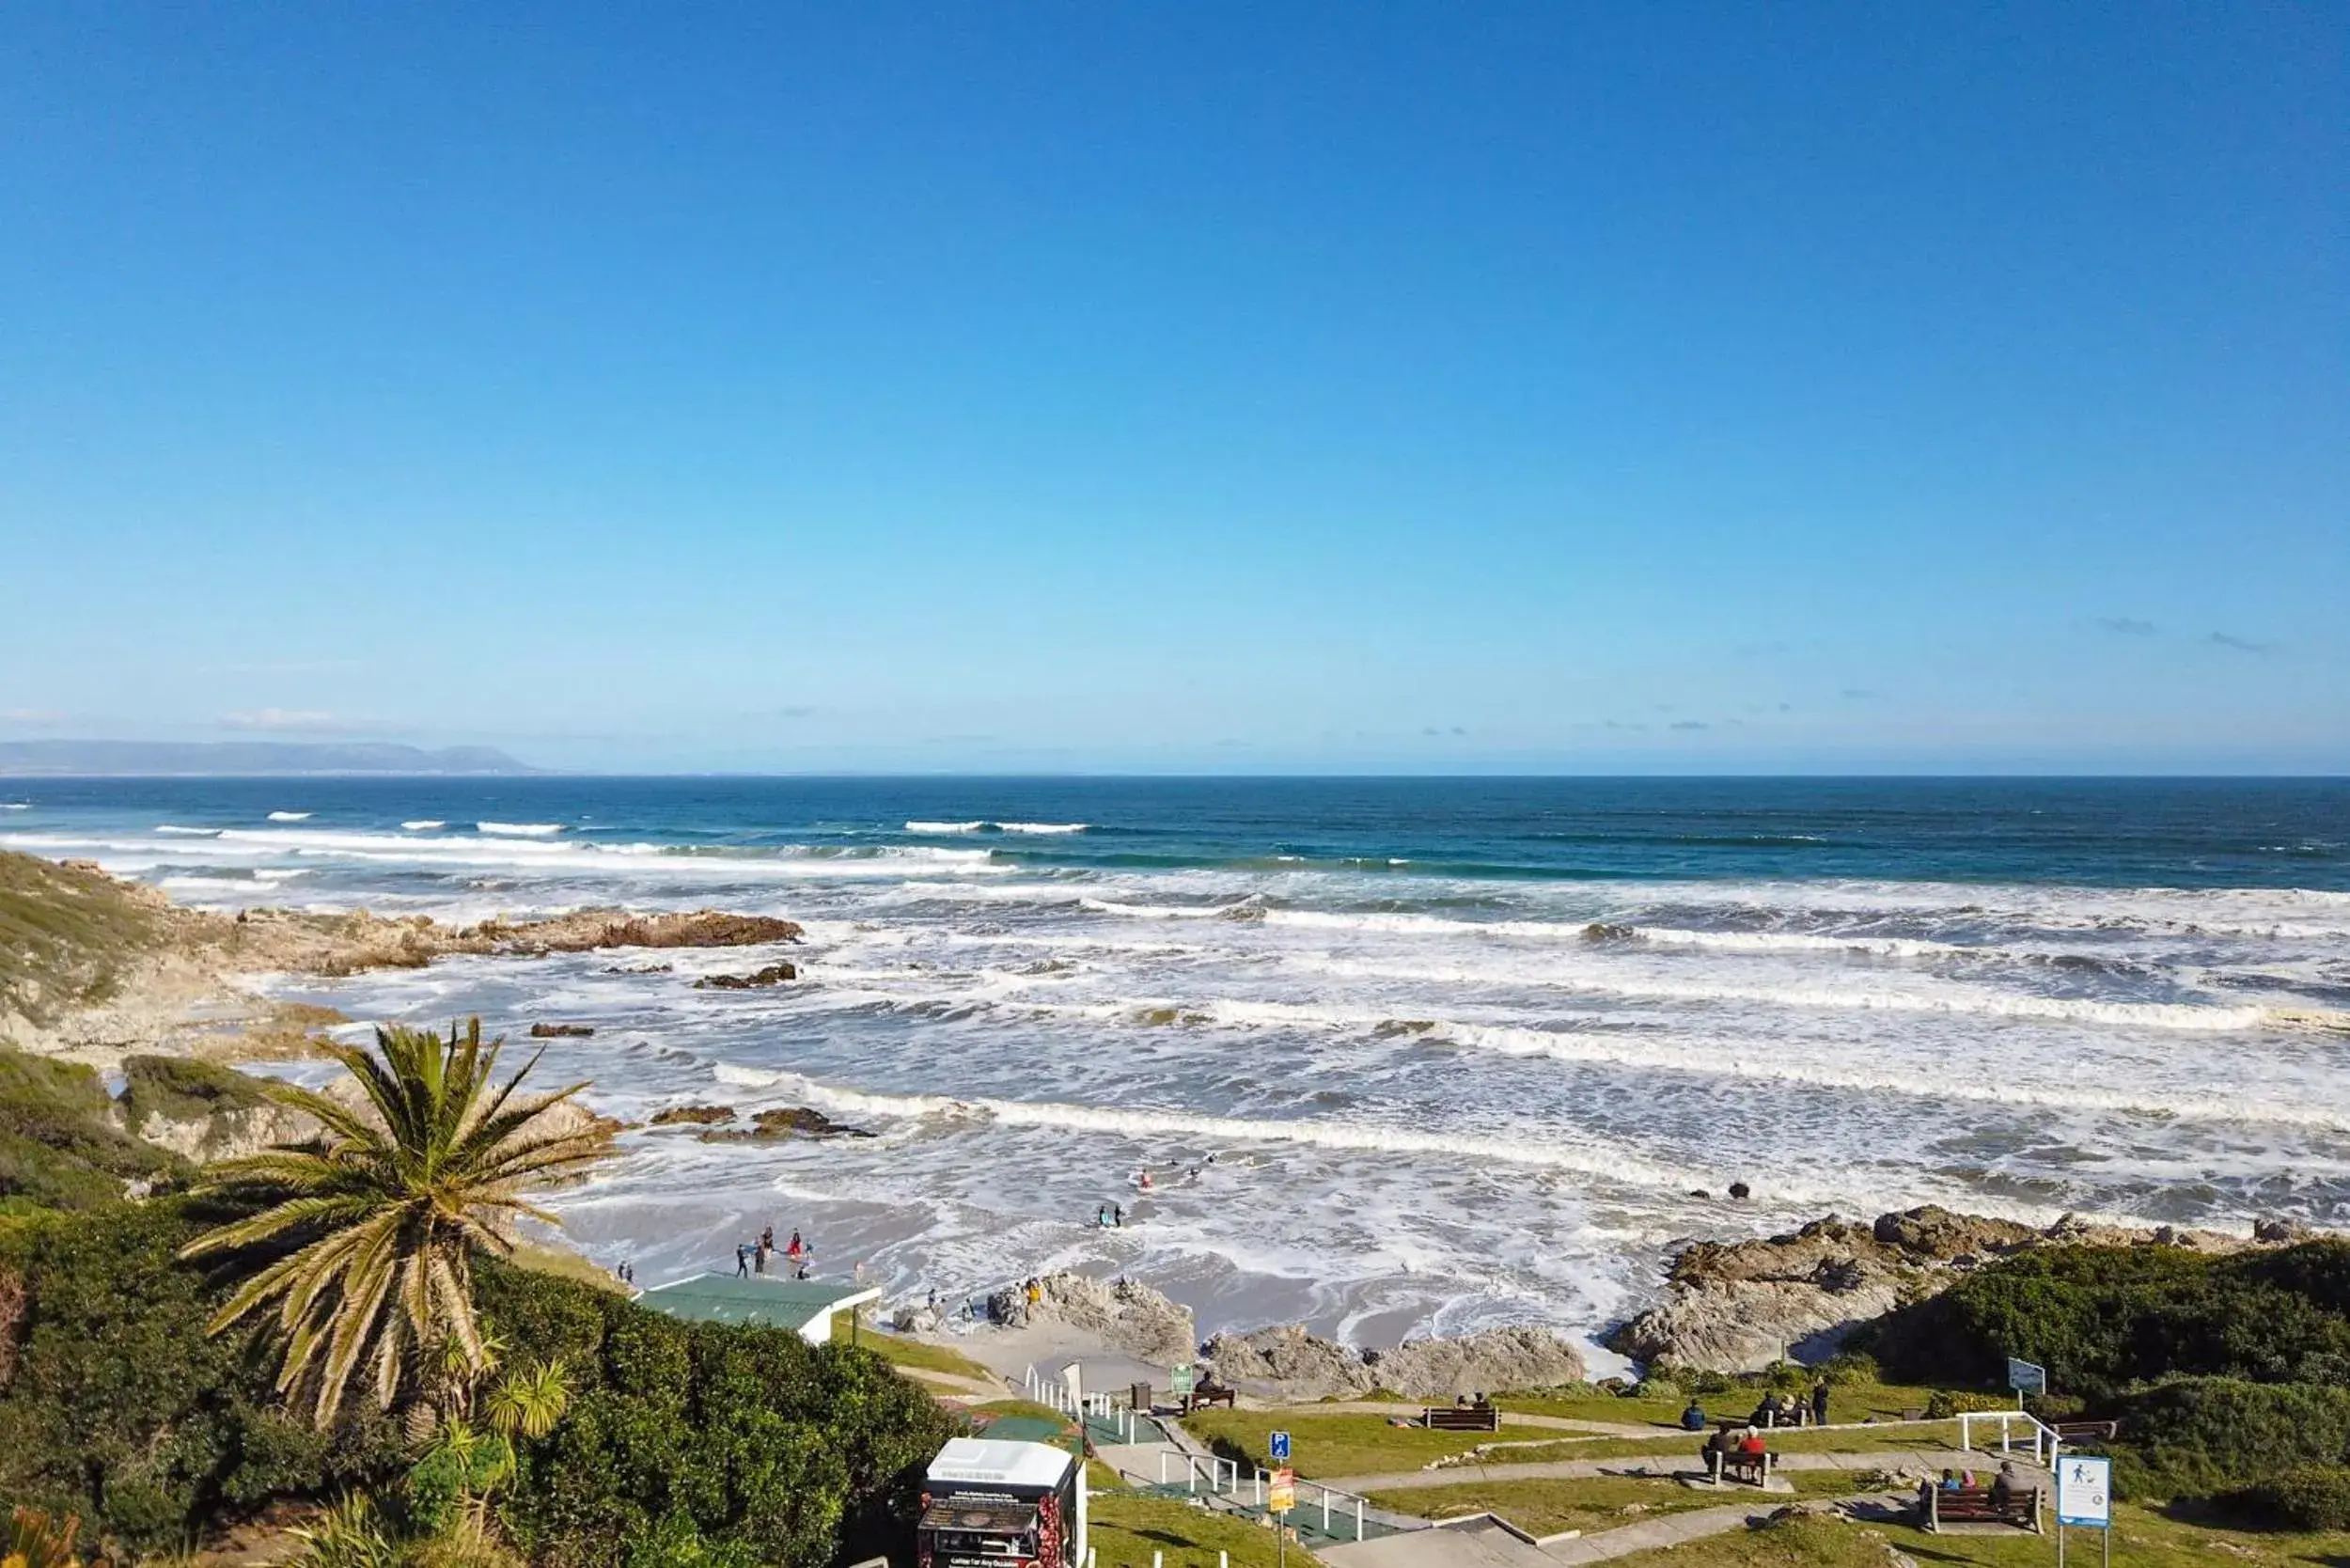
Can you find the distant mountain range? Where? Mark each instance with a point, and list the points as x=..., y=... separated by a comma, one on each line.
x=244, y=759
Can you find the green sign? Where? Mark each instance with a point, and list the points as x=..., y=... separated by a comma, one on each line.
x=1179, y=1381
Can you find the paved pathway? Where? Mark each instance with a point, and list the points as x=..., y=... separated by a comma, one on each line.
x=1658, y=1465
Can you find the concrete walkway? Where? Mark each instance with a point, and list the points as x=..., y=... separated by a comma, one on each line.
x=1665, y=1464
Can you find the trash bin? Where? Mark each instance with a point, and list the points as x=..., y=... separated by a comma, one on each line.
x=1138, y=1396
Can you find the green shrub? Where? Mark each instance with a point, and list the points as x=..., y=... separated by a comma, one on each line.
x=2307, y=1497
x=1945, y=1403
x=2200, y=1436
x=2104, y=1319
x=122, y=1409
x=762, y=1443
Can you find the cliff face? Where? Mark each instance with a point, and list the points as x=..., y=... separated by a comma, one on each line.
x=1739, y=1306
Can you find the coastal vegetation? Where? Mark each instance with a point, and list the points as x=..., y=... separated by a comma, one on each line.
x=370, y=1236
x=149, y=1345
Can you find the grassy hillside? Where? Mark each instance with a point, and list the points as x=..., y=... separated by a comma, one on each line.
x=59, y=1146
x=65, y=937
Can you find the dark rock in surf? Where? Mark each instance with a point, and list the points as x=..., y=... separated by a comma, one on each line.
x=561, y=1032
x=774, y=974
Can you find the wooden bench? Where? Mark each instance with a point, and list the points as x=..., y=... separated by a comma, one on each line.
x=1461, y=1418
x=1974, y=1505
x=2088, y=1431
x=1209, y=1392
x=1732, y=1465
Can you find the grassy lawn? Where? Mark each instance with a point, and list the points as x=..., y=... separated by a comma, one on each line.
x=547, y=1258
x=2141, y=1540
x=901, y=1350
x=1891, y=1439
x=1124, y=1531
x=1603, y=1502
x=1847, y=1401
x=1025, y=1409
x=1329, y=1445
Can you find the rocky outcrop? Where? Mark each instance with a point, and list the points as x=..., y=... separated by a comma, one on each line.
x=1740, y=1306
x=1288, y=1362
x=773, y=1126
x=348, y=944
x=1130, y=1318
x=1491, y=1361
x=561, y=1032
x=695, y=1116
x=774, y=974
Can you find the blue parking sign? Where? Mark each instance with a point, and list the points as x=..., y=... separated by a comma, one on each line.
x=1280, y=1444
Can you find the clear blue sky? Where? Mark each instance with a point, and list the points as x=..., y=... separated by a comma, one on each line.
x=1184, y=387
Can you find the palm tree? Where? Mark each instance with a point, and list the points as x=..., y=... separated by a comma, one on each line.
x=384, y=1212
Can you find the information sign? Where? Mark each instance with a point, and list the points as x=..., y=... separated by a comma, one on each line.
x=1278, y=1446
x=2085, y=1491
x=1282, y=1495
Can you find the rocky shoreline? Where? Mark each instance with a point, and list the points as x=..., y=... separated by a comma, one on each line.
x=1739, y=1306
x=141, y=974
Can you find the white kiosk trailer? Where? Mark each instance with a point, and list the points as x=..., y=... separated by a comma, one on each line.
x=988, y=1504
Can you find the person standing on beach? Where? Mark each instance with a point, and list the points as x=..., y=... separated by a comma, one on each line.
x=1819, y=1402
x=743, y=1261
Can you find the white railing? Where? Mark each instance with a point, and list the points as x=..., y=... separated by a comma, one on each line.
x=2042, y=1437
x=1221, y=1477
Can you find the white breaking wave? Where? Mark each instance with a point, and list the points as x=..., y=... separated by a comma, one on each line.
x=290, y=816
x=520, y=830
x=15, y=805
x=423, y=824
x=1798, y=942
x=174, y=830
x=1613, y=1165
x=1043, y=827
x=945, y=827
x=2158, y=1015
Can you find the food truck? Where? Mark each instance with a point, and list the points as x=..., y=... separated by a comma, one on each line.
x=989, y=1504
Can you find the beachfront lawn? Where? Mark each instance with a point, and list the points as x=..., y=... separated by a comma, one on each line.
x=900, y=1351
x=1602, y=1502
x=2141, y=1540
x=1924, y=1437
x=1335, y=1444
x=1124, y=1529
x=1847, y=1401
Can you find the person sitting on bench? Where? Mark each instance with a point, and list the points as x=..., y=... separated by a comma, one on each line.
x=2003, y=1487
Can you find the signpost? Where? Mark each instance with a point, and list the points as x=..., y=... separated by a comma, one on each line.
x=1280, y=1500
x=2026, y=1377
x=1278, y=1446
x=2084, y=1498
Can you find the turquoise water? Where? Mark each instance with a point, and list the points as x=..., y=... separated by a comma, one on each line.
x=1464, y=1049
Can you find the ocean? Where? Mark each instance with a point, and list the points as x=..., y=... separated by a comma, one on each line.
x=1464, y=1052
